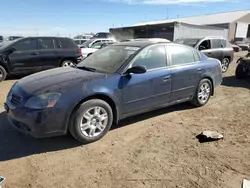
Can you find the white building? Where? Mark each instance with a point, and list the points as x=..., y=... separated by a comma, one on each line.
x=236, y=26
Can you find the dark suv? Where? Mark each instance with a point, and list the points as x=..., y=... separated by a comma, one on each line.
x=214, y=47
x=33, y=54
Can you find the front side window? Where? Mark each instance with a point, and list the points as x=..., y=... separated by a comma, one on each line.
x=108, y=59
x=181, y=55
x=45, y=44
x=26, y=45
x=151, y=58
x=205, y=45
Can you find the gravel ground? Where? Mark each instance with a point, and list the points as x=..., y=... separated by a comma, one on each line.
x=156, y=149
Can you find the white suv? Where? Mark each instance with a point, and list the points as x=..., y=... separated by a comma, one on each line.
x=93, y=45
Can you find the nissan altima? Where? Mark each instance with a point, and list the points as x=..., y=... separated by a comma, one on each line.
x=116, y=82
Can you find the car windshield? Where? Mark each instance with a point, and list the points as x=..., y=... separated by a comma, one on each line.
x=188, y=42
x=78, y=42
x=108, y=59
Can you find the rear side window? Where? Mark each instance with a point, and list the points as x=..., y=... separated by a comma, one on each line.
x=45, y=44
x=181, y=55
x=26, y=45
x=197, y=56
x=65, y=43
x=216, y=43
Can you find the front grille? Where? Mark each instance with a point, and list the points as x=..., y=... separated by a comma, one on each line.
x=15, y=99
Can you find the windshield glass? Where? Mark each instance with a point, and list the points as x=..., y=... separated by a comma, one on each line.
x=188, y=42
x=108, y=59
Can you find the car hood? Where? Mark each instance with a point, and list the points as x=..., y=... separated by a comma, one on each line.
x=56, y=78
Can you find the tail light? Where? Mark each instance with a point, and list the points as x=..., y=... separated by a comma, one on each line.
x=80, y=51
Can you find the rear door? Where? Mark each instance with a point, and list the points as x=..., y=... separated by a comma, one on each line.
x=47, y=54
x=25, y=56
x=186, y=72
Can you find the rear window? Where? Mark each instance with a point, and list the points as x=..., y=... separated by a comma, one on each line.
x=1, y=38
x=65, y=43
x=216, y=43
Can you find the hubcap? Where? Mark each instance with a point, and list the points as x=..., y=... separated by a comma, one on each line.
x=204, y=92
x=94, y=121
x=224, y=65
x=68, y=64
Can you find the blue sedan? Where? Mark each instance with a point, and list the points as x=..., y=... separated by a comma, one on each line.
x=116, y=82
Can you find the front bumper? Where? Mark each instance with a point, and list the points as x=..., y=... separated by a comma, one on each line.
x=37, y=123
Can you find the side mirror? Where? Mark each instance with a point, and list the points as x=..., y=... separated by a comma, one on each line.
x=137, y=70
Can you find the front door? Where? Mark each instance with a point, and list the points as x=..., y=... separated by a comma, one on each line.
x=142, y=92
x=186, y=72
x=47, y=54
x=25, y=55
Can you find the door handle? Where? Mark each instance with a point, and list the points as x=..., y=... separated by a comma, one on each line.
x=209, y=53
x=166, y=78
x=34, y=53
x=199, y=69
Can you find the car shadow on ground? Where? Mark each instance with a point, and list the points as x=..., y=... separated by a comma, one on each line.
x=231, y=81
x=14, y=145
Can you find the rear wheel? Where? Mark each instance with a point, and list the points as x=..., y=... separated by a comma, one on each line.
x=203, y=93
x=225, y=64
x=68, y=63
x=91, y=121
x=3, y=73
x=241, y=70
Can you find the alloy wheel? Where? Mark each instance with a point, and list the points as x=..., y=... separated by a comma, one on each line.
x=94, y=121
x=204, y=92
x=224, y=64
x=68, y=64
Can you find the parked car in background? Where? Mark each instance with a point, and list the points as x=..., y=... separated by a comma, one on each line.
x=10, y=38
x=80, y=42
x=242, y=45
x=214, y=47
x=103, y=35
x=118, y=81
x=34, y=54
x=236, y=48
x=93, y=45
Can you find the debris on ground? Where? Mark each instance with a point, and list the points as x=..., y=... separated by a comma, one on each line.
x=245, y=183
x=208, y=136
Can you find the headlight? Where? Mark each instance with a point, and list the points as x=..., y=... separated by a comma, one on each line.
x=43, y=101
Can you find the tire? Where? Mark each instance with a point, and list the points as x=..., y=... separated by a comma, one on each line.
x=85, y=134
x=225, y=64
x=68, y=63
x=241, y=71
x=207, y=85
x=89, y=54
x=3, y=74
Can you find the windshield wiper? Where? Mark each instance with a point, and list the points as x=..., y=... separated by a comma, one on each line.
x=87, y=68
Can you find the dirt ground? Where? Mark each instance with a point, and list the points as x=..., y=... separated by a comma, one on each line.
x=157, y=149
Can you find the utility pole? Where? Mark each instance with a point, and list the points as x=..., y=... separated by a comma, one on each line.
x=167, y=14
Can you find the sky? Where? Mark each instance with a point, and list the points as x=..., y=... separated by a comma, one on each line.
x=73, y=17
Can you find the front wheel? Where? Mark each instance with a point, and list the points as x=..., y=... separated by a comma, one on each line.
x=3, y=74
x=225, y=64
x=203, y=93
x=91, y=121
